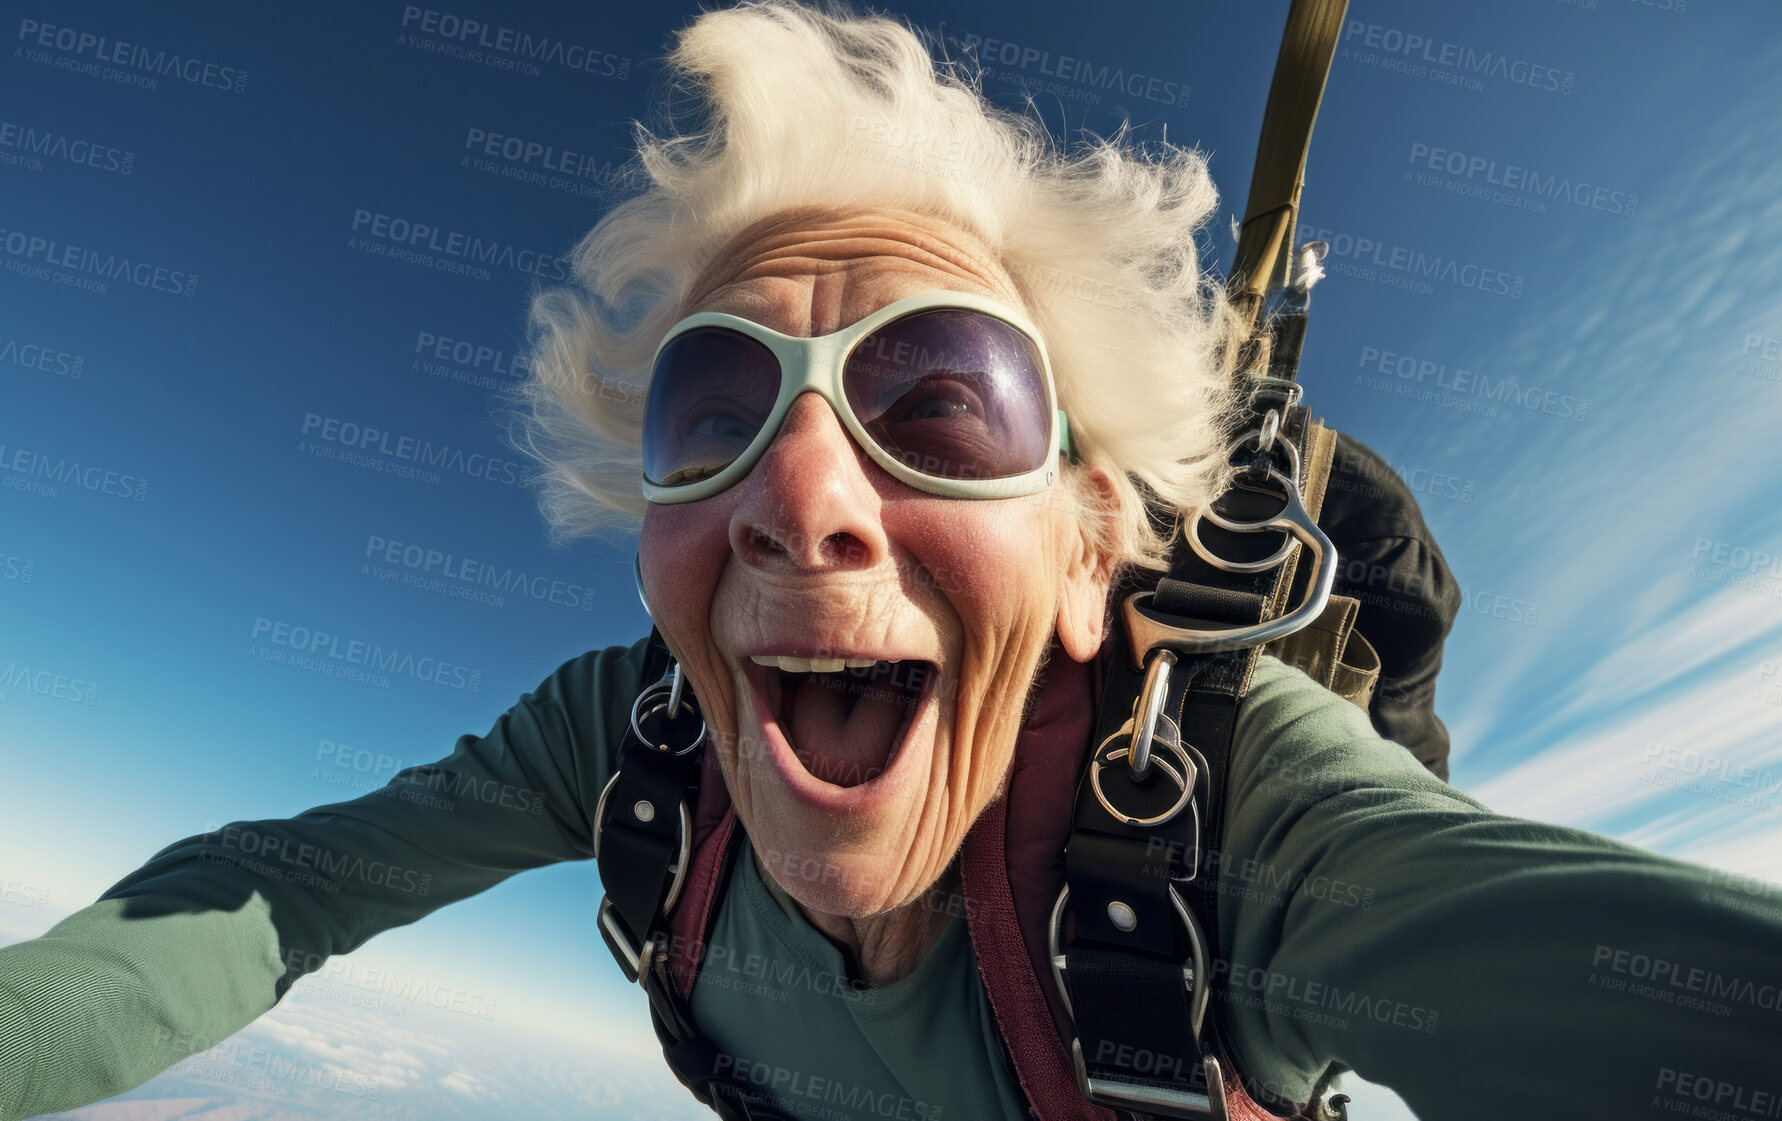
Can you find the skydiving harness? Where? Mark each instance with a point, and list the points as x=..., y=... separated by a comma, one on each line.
x=1132, y=936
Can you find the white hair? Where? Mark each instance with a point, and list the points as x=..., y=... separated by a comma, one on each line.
x=783, y=105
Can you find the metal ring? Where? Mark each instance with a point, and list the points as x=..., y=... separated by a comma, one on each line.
x=1178, y=776
x=1292, y=451
x=657, y=700
x=1273, y=523
x=1264, y=383
x=1155, y=692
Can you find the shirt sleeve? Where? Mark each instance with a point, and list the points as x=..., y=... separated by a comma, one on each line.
x=1482, y=966
x=213, y=930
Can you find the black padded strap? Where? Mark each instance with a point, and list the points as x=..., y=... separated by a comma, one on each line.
x=1131, y=1004
x=640, y=821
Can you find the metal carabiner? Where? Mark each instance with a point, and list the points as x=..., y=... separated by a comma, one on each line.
x=1271, y=426
x=1155, y=692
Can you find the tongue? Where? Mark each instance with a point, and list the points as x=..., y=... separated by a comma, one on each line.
x=843, y=728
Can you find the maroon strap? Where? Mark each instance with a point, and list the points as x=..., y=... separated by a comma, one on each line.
x=714, y=823
x=1013, y=866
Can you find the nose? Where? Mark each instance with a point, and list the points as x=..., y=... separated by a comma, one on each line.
x=809, y=503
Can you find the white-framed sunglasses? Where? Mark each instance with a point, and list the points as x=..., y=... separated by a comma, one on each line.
x=949, y=392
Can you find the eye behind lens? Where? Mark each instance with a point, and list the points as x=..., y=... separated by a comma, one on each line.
x=711, y=390
x=953, y=393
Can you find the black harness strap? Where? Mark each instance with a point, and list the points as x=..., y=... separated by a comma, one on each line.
x=643, y=844
x=642, y=829
x=1142, y=882
x=1139, y=958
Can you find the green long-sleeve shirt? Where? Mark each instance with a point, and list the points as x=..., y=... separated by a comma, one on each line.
x=1482, y=966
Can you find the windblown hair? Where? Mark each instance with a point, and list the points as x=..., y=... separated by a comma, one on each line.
x=778, y=105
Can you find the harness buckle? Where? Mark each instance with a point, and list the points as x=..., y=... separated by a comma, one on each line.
x=1189, y=1104
x=1165, y=1101
x=633, y=959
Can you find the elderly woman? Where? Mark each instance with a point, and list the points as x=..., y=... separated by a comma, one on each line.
x=892, y=374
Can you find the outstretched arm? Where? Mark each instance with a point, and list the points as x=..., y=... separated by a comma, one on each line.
x=213, y=930
x=1482, y=966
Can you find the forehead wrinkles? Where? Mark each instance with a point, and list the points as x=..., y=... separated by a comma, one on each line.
x=820, y=248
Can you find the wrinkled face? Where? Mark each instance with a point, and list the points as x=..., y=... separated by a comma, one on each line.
x=857, y=782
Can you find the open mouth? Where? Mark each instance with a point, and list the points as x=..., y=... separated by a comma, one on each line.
x=845, y=719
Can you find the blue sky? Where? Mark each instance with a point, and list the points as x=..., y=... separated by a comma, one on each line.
x=1553, y=308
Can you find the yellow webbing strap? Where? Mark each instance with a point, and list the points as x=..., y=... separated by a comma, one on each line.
x=1265, y=241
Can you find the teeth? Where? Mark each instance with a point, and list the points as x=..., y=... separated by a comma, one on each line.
x=790, y=664
x=782, y=662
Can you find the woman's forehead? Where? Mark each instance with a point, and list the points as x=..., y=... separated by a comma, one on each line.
x=811, y=272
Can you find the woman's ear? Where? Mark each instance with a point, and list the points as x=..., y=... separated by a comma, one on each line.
x=1088, y=566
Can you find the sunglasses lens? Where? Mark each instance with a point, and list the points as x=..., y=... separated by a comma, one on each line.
x=954, y=394
x=710, y=392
